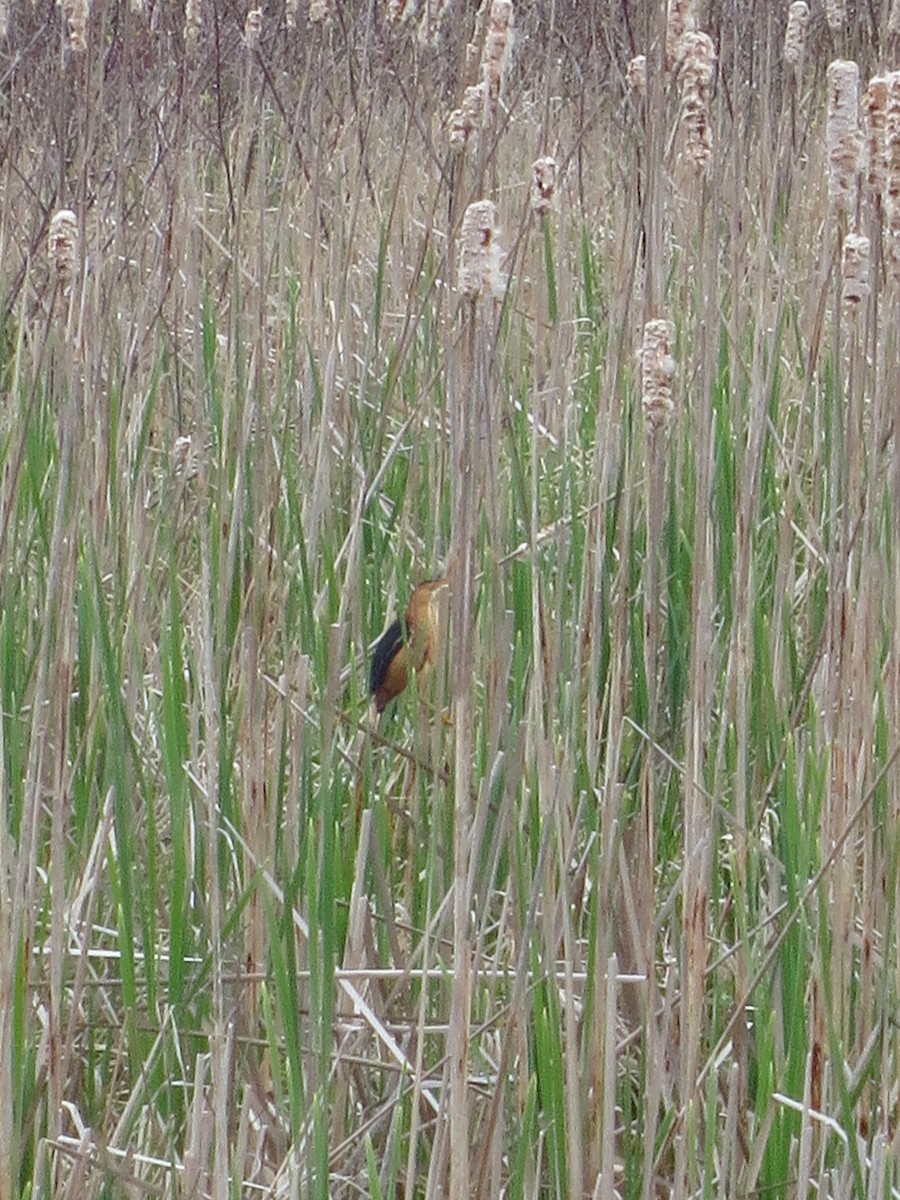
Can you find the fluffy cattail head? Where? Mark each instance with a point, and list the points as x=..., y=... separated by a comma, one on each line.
x=497, y=48
x=835, y=14
x=543, y=185
x=62, y=247
x=680, y=19
x=76, y=20
x=843, y=140
x=252, y=28
x=468, y=119
x=657, y=372
x=636, y=74
x=795, y=33
x=191, y=20
x=319, y=10
x=479, y=252
x=875, y=104
x=698, y=61
x=855, y=270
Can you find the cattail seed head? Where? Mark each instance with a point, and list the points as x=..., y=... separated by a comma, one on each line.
x=875, y=109
x=657, y=372
x=795, y=33
x=843, y=140
x=191, y=20
x=252, y=28
x=62, y=247
x=835, y=14
x=680, y=19
x=76, y=20
x=543, y=185
x=479, y=252
x=698, y=60
x=893, y=23
x=855, y=269
x=636, y=74
x=401, y=11
x=319, y=10
x=497, y=48
x=467, y=120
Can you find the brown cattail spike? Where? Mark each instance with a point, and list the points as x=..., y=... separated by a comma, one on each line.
x=636, y=74
x=875, y=104
x=855, y=270
x=62, y=247
x=657, y=372
x=698, y=60
x=479, y=252
x=252, y=28
x=843, y=140
x=543, y=185
x=795, y=33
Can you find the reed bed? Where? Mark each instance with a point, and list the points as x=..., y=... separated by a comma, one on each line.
x=594, y=307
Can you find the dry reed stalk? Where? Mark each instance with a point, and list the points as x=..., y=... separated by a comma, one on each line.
x=795, y=33
x=843, y=141
x=543, y=185
x=698, y=60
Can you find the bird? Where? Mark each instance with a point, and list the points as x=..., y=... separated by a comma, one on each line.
x=407, y=645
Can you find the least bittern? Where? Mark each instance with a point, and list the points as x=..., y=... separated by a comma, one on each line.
x=406, y=645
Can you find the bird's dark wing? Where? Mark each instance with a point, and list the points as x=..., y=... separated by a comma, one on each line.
x=386, y=650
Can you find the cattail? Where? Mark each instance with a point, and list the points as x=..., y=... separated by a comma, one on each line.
x=62, y=247
x=843, y=140
x=252, y=28
x=636, y=74
x=855, y=270
x=893, y=25
x=468, y=118
x=875, y=109
x=835, y=14
x=319, y=10
x=795, y=34
x=479, y=252
x=401, y=11
x=191, y=20
x=497, y=47
x=76, y=19
x=290, y=14
x=697, y=66
x=4, y=18
x=892, y=168
x=680, y=19
x=657, y=372
x=543, y=185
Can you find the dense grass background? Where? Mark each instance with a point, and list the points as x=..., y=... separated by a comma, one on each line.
x=613, y=909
